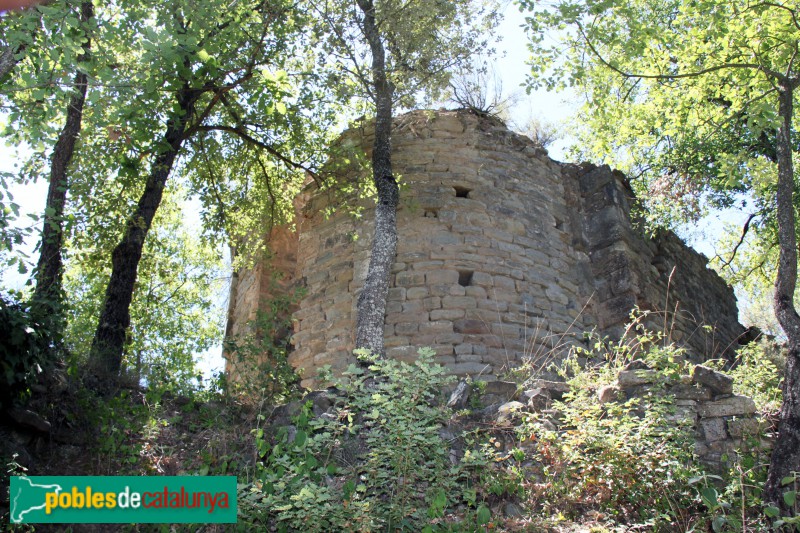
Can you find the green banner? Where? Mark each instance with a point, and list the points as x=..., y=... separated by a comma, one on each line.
x=122, y=499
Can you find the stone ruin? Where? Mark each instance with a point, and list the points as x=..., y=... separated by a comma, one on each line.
x=723, y=424
x=504, y=256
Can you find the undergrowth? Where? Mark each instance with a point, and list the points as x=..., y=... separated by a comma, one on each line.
x=378, y=462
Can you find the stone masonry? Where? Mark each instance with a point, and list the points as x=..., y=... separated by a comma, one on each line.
x=504, y=255
x=724, y=423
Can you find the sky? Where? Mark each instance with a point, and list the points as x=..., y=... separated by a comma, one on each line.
x=510, y=67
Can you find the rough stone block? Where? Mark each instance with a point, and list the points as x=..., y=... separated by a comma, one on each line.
x=448, y=338
x=458, y=302
x=416, y=293
x=438, y=326
x=470, y=368
x=742, y=427
x=557, y=389
x=718, y=382
x=464, y=349
x=732, y=406
x=502, y=282
x=397, y=293
x=481, y=279
x=406, y=328
x=683, y=391
x=434, y=302
x=447, y=314
x=508, y=331
x=441, y=277
x=632, y=378
x=505, y=389
x=509, y=412
x=608, y=393
x=475, y=292
x=409, y=279
x=537, y=399
x=413, y=306
x=470, y=327
x=713, y=429
x=403, y=353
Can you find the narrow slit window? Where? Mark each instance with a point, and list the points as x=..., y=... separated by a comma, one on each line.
x=462, y=192
x=465, y=278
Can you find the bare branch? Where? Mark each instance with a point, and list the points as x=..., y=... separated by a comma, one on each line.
x=745, y=229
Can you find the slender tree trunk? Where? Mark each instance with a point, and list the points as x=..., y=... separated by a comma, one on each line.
x=49, y=268
x=786, y=454
x=371, y=310
x=105, y=357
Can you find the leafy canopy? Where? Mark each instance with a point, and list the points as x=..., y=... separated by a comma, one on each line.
x=680, y=94
x=254, y=132
x=423, y=39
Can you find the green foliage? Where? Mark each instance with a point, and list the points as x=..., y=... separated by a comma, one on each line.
x=117, y=422
x=175, y=312
x=256, y=127
x=257, y=362
x=629, y=459
x=682, y=95
x=757, y=373
x=26, y=348
x=377, y=462
x=792, y=522
x=424, y=41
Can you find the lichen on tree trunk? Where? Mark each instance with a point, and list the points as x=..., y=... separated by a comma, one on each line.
x=371, y=309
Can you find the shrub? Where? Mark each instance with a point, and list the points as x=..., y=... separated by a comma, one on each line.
x=26, y=348
x=757, y=373
x=629, y=460
x=377, y=463
x=258, y=361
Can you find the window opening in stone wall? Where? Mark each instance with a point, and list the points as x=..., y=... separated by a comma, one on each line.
x=559, y=224
x=431, y=212
x=462, y=192
x=465, y=278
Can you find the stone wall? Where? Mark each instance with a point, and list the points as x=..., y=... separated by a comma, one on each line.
x=661, y=275
x=724, y=423
x=504, y=255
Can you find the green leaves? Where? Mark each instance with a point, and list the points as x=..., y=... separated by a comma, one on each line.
x=423, y=40
x=673, y=89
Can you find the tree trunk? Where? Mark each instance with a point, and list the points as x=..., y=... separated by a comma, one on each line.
x=786, y=454
x=49, y=268
x=7, y=59
x=371, y=310
x=105, y=357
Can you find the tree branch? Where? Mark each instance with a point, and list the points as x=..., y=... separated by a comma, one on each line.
x=779, y=6
x=267, y=148
x=745, y=229
x=701, y=72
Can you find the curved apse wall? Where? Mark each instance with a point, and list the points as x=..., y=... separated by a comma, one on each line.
x=503, y=255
